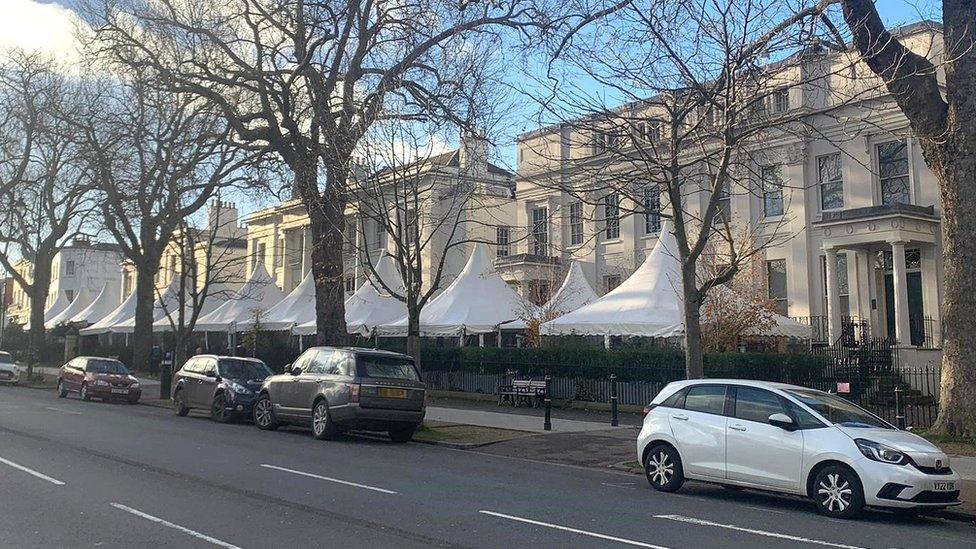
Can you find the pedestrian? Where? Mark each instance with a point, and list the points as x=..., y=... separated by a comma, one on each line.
x=155, y=357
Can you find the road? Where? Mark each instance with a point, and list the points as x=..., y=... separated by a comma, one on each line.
x=87, y=474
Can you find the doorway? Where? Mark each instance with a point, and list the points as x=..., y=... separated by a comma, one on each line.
x=916, y=310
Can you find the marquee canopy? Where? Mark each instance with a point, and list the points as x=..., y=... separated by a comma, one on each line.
x=258, y=295
x=104, y=303
x=82, y=300
x=296, y=308
x=124, y=311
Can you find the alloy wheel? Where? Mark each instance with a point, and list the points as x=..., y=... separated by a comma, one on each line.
x=263, y=413
x=835, y=493
x=660, y=469
x=219, y=409
x=321, y=422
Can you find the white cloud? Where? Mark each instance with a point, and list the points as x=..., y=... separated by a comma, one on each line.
x=37, y=27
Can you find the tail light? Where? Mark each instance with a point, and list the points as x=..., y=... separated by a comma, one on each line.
x=354, y=392
x=647, y=410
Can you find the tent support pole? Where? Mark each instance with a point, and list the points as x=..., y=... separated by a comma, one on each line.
x=481, y=340
x=606, y=341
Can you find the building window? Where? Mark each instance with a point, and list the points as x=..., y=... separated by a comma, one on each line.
x=611, y=216
x=780, y=101
x=610, y=282
x=652, y=209
x=376, y=242
x=772, y=187
x=843, y=287
x=884, y=261
x=540, y=231
x=69, y=268
x=831, y=182
x=776, y=285
x=70, y=294
x=539, y=292
x=724, y=210
x=649, y=130
x=501, y=241
x=576, y=223
x=893, y=173
x=604, y=141
x=350, y=284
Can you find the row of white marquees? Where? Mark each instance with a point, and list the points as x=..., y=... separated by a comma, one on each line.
x=478, y=301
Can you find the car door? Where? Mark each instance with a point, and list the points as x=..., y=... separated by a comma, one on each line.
x=207, y=383
x=73, y=374
x=317, y=376
x=759, y=453
x=699, y=429
x=290, y=401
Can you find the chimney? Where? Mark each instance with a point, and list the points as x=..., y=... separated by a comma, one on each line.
x=473, y=156
x=222, y=218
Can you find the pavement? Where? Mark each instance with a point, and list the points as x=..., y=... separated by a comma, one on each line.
x=517, y=422
x=77, y=474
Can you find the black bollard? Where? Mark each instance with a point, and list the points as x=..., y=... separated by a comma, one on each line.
x=613, y=401
x=899, y=409
x=547, y=425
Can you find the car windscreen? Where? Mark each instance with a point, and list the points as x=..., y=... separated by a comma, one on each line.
x=6, y=358
x=386, y=367
x=103, y=366
x=243, y=369
x=837, y=410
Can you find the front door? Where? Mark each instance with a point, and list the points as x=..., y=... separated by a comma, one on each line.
x=759, y=453
x=915, y=307
x=699, y=430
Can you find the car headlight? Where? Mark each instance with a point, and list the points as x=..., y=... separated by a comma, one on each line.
x=240, y=389
x=879, y=452
x=134, y=385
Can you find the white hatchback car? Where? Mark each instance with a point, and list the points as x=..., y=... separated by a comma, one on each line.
x=784, y=438
x=9, y=370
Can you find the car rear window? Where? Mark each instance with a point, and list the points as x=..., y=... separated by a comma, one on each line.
x=386, y=367
x=706, y=398
x=103, y=366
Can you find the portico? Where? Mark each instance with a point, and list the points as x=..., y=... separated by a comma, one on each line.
x=893, y=248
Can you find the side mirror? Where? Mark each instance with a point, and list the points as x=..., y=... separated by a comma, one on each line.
x=782, y=421
x=294, y=370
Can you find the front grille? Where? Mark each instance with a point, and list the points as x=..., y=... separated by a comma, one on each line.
x=6, y=375
x=936, y=497
x=933, y=470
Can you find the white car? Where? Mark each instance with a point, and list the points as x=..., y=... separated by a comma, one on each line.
x=9, y=371
x=783, y=438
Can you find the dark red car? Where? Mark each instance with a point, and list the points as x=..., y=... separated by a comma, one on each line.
x=96, y=377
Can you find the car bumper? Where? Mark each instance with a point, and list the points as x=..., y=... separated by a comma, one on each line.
x=107, y=394
x=9, y=375
x=353, y=416
x=904, y=486
x=241, y=404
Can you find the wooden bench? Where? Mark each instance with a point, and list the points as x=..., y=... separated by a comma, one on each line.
x=527, y=391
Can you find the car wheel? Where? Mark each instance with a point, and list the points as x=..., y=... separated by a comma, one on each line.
x=218, y=409
x=62, y=392
x=264, y=416
x=84, y=392
x=322, y=427
x=179, y=404
x=838, y=492
x=402, y=434
x=663, y=468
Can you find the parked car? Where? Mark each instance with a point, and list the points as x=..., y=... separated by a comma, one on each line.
x=227, y=386
x=97, y=377
x=9, y=370
x=338, y=389
x=784, y=438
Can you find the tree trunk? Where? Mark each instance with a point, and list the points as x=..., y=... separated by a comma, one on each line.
x=413, y=334
x=142, y=334
x=694, y=358
x=39, y=289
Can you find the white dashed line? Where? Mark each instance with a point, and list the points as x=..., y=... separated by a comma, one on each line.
x=329, y=479
x=777, y=535
x=573, y=530
x=169, y=524
x=30, y=471
x=63, y=411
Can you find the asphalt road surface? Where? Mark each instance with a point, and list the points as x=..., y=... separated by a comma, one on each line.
x=89, y=474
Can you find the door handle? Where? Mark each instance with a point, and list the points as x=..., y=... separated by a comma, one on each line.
x=679, y=417
x=737, y=427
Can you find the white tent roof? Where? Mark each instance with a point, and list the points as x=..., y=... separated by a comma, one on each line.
x=166, y=310
x=259, y=294
x=103, y=304
x=648, y=303
x=296, y=308
x=783, y=327
x=476, y=302
x=82, y=300
x=371, y=305
x=167, y=301
x=573, y=294
x=125, y=311
x=60, y=303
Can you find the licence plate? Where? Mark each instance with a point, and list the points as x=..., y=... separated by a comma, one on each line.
x=944, y=486
x=120, y=391
x=393, y=393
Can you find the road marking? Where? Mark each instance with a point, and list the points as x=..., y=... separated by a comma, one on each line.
x=169, y=524
x=701, y=522
x=61, y=410
x=573, y=530
x=330, y=479
x=627, y=485
x=27, y=470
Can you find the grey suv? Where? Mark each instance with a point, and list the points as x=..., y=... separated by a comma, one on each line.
x=337, y=389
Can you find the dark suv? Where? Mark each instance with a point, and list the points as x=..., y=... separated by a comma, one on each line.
x=225, y=385
x=337, y=389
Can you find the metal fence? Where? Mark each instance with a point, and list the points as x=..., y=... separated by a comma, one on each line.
x=867, y=374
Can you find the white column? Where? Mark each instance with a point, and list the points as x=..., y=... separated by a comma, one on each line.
x=833, y=296
x=900, y=279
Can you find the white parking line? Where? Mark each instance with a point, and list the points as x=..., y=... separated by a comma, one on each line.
x=330, y=479
x=169, y=524
x=30, y=471
x=573, y=530
x=63, y=411
x=701, y=522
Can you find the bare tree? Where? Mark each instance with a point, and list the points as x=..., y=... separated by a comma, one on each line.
x=158, y=157
x=939, y=104
x=705, y=118
x=44, y=184
x=317, y=76
x=424, y=208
